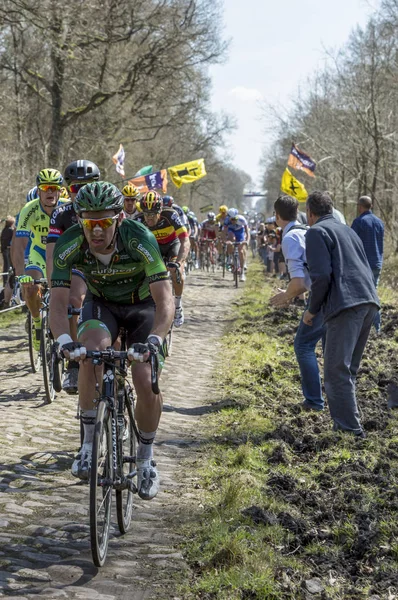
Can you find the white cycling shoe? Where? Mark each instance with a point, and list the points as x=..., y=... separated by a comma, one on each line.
x=148, y=479
x=243, y=277
x=178, y=317
x=82, y=463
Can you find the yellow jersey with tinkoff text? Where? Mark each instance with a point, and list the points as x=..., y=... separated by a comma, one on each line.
x=34, y=224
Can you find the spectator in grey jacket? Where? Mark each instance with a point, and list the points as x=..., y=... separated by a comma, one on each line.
x=342, y=285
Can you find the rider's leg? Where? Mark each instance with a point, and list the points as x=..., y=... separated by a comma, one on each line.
x=77, y=293
x=93, y=337
x=178, y=287
x=32, y=293
x=242, y=254
x=149, y=405
x=148, y=411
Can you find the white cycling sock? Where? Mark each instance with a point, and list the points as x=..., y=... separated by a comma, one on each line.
x=88, y=419
x=177, y=300
x=145, y=447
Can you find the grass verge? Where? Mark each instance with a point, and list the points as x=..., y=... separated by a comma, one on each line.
x=288, y=509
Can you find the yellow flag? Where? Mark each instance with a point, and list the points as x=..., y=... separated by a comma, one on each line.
x=291, y=186
x=187, y=172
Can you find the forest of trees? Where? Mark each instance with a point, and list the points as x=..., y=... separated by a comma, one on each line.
x=347, y=120
x=78, y=78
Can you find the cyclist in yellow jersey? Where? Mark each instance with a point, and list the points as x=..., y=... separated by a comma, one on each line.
x=222, y=236
x=33, y=226
x=222, y=214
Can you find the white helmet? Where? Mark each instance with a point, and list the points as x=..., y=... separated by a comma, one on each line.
x=233, y=213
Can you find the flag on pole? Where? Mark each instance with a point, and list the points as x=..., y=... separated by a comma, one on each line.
x=299, y=160
x=291, y=186
x=144, y=171
x=153, y=181
x=118, y=159
x=206, y=208
x=187, y=172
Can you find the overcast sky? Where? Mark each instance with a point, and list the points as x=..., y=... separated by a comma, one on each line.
x=275, y=46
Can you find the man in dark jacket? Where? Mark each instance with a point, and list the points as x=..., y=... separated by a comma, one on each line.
x=371, y=231
x=342, y=284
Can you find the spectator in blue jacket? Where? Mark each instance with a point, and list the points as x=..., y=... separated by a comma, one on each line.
x=342, y=285
x=371, y=231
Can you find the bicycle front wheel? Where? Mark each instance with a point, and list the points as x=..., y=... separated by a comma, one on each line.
x=34, y=355
x=47, y=359
x=101, y=483
x=128, y=451
x=236, y=273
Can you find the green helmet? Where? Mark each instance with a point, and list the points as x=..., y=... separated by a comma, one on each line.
x=185, y=209
x=98, y=196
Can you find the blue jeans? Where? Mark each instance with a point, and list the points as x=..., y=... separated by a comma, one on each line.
x=304, y=346
x=377, y=319
x=263, y=254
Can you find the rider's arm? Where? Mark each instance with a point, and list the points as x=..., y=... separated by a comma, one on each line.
x=59, y=322
x=49, y=260
x=184, y=249
x=22, y=237
x=19, y=245
x=165, y=308
x=65, y=254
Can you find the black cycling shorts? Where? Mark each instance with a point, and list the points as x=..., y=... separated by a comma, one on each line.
x=137, y=319
x=170, y=251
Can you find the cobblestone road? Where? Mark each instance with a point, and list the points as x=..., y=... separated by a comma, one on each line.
x=44, y=536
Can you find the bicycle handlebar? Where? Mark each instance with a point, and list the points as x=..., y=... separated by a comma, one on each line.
x=35, y=281
x=111, y=355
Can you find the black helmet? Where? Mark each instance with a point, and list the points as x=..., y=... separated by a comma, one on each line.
x=81, y=170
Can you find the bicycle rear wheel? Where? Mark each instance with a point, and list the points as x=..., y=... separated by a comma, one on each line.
x=128, y=450
x=34, y=355
x=47, y=358
x=101, y=484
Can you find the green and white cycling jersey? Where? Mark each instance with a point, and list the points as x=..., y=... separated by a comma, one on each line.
x=136, y=263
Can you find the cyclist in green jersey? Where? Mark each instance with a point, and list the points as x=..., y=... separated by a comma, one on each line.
x=33, y=226
x=126, y=279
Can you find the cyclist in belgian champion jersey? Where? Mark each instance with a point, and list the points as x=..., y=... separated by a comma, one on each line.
x=127, y=280
x=77, y=174
x=173, y=240
x=169, y=202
